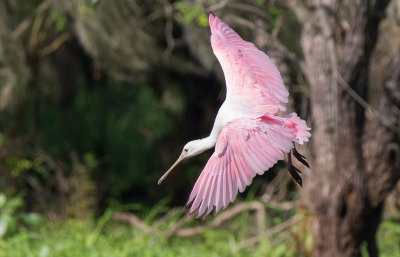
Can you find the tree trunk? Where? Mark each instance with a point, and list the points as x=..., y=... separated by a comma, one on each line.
x=350, y=176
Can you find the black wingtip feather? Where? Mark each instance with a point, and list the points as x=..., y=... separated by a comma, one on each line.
x=294, y=171
x=300, y=157
x=295, y=174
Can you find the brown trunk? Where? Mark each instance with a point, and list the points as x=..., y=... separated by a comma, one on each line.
x=342, y=191
x=381, y=151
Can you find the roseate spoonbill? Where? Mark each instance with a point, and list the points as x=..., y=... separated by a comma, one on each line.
x=248, y=136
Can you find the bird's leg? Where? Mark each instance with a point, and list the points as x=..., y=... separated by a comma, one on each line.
x=293, y=170
x=299, y=157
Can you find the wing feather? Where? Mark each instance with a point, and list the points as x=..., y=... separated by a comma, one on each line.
x=206, y=195
x=219, y=195
x=245, y=147
x=210, y=195
x=249, y=73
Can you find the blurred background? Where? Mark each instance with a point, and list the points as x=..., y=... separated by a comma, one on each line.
x=97, y=99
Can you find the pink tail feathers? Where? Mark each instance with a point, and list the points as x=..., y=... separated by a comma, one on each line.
x=298, y=126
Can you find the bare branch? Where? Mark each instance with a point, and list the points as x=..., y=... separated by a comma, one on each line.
x=217, y=6
x=24, y=25
x=53, y=46
x=225, y=216
x=270, y=232
x=133, y=220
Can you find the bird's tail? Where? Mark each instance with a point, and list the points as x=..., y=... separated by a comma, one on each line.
x=298, y=127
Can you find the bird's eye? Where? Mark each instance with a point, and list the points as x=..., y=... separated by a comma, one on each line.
x=186, y=150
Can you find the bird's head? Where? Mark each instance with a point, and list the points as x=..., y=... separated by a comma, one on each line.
x=192, y=148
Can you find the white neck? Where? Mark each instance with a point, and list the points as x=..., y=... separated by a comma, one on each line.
x=198, y=146
x=211, y=140
x=201, y=145
x=207, y=142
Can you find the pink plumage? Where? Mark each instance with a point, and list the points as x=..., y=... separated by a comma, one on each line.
x=248, y=71
x=248, y=137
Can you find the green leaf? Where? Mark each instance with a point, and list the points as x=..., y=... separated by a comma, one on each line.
x=275, y=12
x=59, y=20
x=3, y=225
x=33, y=219
x=3, y=200
x=202, y=20
x=191, y=12
x=259, y=2
x=90, y=160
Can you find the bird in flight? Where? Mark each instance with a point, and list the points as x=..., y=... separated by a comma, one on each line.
x=248, y=136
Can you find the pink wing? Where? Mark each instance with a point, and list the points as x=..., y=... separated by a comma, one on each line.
x=248, y=71
x=245, y=147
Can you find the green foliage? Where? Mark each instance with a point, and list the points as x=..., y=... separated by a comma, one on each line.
x=108, y=134
x=86, y=238
x=275, y=12
x=91, y=3
x=259, y=2
x=59, y=19
x=191, y=12
x=12, y=219
x=8, y=207
x=94, y=235
x=108, y=238
x=114, y=126
x=389, y=238
x=20, y=165
x=2, y=139
x=82, y=195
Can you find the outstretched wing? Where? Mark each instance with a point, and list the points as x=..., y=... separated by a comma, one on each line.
x=245, y=147
x=249, y=72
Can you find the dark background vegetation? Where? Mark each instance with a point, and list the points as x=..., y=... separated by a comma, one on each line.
x=98, y=97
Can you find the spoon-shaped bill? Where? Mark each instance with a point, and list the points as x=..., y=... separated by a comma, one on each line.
x=172, y=167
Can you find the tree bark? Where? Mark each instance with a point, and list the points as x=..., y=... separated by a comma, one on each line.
x=351, y=177
x=381, y=151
